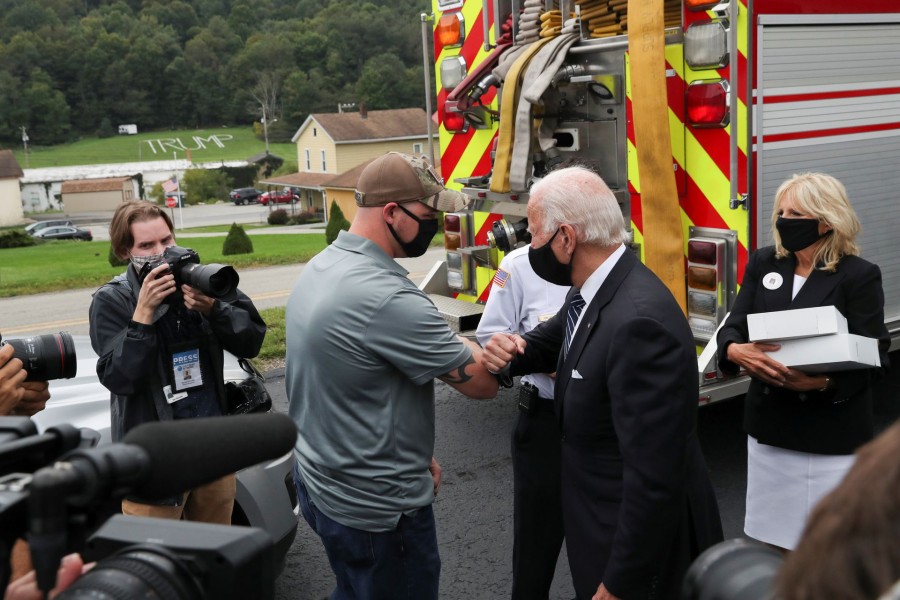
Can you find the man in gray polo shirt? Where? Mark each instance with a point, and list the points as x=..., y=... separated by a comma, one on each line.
x=364, y=345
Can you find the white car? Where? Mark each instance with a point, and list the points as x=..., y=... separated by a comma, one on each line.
x=266, y=497
x=39, y=225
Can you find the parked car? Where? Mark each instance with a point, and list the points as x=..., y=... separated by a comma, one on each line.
x=285, y=196
x=266, y=497
x=35, y=227
x=244, y=195
x=64, y=233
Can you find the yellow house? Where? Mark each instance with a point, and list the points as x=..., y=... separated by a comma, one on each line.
x=334, y=143
x=341, y=189
x=86, y=195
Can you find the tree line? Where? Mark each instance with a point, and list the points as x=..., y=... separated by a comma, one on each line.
x=70, y=68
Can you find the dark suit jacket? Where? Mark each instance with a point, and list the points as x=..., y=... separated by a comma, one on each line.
x=637, y=501
x=833, y=422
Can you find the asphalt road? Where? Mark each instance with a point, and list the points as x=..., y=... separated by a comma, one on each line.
x=474, y=507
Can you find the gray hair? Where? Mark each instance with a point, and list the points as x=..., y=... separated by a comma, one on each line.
x=578, y=197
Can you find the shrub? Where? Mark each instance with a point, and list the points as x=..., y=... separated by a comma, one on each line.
x=106, y=129
x=16, y=238
x=303, y=219
x=115, y=261
x=278, y=216
x=336, y=222
x=237, y=241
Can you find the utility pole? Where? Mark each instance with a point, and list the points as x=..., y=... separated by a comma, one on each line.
x=265, y=125
x=25, y=143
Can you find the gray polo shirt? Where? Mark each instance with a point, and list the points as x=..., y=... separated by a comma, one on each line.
x=364, y=345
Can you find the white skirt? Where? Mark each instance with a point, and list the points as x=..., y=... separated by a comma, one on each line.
x=783, y=486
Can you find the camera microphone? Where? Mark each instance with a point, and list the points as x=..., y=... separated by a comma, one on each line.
x=163, y=459
x=185, y=454
x=155, y=461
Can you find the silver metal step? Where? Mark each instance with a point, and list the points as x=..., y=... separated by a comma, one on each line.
x=460, y=316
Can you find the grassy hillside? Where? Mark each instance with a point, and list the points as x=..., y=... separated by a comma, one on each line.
x=205, y=145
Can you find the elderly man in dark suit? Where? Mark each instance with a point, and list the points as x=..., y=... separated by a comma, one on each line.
x=637, y=501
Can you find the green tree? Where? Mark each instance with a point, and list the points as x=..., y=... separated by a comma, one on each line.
x=49, y=117
x=237, y=241
x=204, y=185
x=336, y=222
x=106, y=128
x=385, y=81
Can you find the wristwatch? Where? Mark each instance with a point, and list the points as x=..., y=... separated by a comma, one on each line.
x=827, y=385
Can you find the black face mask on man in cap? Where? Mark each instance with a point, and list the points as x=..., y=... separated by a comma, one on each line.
x=419, y=244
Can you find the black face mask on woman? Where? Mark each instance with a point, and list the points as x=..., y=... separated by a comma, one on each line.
x=797, y=234
x=419, y=244
x=547, y=266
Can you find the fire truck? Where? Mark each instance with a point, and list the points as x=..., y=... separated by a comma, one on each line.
x=751, y=92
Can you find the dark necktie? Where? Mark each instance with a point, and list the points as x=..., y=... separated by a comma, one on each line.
x=576, y=305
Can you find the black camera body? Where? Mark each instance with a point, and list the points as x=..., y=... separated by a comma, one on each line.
x=214, y=280
x=187, y=561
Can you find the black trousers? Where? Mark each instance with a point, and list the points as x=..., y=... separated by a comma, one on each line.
x=537, y=514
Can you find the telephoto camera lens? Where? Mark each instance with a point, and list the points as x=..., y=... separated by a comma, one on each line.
x=46, y=357
x=141, y=571
x=213, y=280
x=735, y=569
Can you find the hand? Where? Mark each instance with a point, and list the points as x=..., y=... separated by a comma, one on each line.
x=500, y=350
x=12, y=375
x=435, y=469
x=25, y=587
x=158, y=285
x=754, y=359
x=34, y=398
x=801, y=382
x=603, y=594
x=194, y=299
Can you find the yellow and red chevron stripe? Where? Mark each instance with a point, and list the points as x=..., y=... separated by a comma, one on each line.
x=465, y=154
x=484, y=276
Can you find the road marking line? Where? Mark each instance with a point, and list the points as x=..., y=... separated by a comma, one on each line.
x=48, y=325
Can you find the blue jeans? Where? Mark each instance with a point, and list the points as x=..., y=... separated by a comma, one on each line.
x=390, y=565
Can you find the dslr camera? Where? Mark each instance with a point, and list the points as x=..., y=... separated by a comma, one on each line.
x=214, y=280
x=46, y=357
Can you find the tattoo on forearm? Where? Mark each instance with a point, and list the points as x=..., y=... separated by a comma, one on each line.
x=460, y=375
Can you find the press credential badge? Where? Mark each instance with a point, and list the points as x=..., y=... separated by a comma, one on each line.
x=186, y=369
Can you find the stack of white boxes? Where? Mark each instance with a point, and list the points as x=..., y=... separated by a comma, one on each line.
x=813, y=340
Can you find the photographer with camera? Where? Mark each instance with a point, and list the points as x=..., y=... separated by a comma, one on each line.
x=160, y=343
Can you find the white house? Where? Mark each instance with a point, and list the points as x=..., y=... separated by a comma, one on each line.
x=10, y=192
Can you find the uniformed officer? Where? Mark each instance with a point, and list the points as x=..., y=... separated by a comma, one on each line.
x=519, y=301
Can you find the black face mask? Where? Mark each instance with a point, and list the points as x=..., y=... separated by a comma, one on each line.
x=797, y=234
x=547, y=266
x=419, y=244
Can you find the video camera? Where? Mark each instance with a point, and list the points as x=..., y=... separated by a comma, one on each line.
x=61, y=492
x=46, y=357
x=214, y=280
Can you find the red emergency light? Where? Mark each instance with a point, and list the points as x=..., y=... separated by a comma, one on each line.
x=707, y=103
